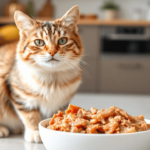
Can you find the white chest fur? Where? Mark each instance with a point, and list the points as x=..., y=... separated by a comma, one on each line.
x=54, y=90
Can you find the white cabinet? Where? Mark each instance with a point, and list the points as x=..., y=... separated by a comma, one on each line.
x=124, y=75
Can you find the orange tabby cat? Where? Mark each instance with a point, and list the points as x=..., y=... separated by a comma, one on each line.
x=40, y=76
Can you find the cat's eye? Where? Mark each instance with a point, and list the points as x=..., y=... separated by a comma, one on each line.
x=39, y=42
x=62, y=41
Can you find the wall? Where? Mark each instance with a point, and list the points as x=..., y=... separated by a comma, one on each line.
x=127, y=7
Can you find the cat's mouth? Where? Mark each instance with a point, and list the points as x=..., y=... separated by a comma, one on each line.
x=52, y=60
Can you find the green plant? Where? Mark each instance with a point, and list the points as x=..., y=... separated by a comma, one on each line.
x=110, y=5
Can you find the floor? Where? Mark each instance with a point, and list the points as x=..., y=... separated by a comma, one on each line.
x=133, y=104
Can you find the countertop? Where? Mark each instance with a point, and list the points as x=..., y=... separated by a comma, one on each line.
x=118, y=22
x=133, y=104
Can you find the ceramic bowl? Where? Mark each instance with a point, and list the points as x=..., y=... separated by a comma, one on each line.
x=57, y=140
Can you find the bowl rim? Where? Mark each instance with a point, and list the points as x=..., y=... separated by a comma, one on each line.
x=83, y=134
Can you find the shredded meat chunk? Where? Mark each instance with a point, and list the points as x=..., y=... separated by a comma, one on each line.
x=110, y=121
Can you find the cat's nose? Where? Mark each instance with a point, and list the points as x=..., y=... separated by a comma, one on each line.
x=53, y=52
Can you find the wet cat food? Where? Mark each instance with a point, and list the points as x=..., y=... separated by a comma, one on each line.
x=110, y=121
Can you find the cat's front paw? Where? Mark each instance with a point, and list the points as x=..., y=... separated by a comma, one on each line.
x=4, y=132
x=32, y=136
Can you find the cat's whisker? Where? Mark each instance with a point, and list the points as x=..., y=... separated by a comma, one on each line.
x=71, y=66
x=74, y=63
x=78, y=59
x=81, y=61
x=84, y=70
x=34, y=64
x=42, y=56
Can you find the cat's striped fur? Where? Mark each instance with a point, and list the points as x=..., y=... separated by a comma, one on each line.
x=36, y=81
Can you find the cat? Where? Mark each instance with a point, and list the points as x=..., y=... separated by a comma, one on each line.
x=40, y=73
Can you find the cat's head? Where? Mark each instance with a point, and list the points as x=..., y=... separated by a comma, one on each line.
x=50, y=44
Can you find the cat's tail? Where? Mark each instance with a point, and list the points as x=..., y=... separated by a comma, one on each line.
x=9, y=120
x=7, y=57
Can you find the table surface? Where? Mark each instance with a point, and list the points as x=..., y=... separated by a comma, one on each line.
x=133, y=104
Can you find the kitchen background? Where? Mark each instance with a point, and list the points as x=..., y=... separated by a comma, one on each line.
x=127, y=7
x=115, y=35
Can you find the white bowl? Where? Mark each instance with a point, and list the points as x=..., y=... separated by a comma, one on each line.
x=57, y=140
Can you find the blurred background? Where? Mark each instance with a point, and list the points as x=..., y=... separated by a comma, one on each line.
x=116, y=39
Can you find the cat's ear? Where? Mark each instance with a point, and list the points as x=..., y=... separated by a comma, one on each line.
x=23, y=22
x=71, y=17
